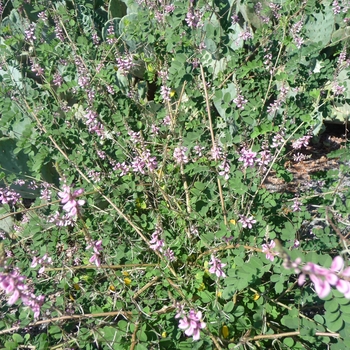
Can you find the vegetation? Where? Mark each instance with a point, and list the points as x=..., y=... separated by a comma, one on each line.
x=137, y=141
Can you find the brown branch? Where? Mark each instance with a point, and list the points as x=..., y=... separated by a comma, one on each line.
x=126, y=314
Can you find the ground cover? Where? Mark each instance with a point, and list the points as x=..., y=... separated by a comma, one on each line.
x=168, y=178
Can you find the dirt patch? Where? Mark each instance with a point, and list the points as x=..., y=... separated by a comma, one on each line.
x=315, y=161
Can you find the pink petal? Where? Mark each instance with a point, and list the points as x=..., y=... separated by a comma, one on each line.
x=322, y=288
x=331, y=278
x=14, y=297
x=301, y=279
x=346, y=272
x=337, y=263
x=343, y=286
x=196, y=334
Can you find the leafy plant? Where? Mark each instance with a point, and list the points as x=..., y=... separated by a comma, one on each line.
x=139, y=142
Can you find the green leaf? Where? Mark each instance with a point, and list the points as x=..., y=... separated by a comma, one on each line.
x=335, y=326
x=229, y=306
x=17, y=338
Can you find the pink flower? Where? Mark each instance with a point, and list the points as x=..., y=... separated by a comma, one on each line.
x=216, y=267
x=156, y=243
x=324, y=278
x=267, y=249
x=246, y=221
x=13, y=284
x=71, y=205
x=192, y=324
x=248, y=158
x=96, y=257
x=180, y=155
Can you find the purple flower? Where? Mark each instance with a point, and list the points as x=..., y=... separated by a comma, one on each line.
x=216, y=152
x=96, y=257
x=265, y=158
x=58, y=30
x=267, y=249
x=240, y=101
x=169, y=254
x=123, y=167
x=193, y=18
x=8, y=196
x=216, y=267
x=43, y=16
x=198, y=150
x=125, y=64
x=192, y=324
x=301, y=142
x=248, y=158
x=225, y=169
x=57, y=79
x=13, y=284
x=156, y=243
x=336, y=8
x=71, y=204
x=324, y=278
x=278, y=140
x=180, y=155
x=337, y=89
x=165, y=92
x=246, y=221
x=296, y=205
x=167, y=120
x=44, y=261
x=30, y=33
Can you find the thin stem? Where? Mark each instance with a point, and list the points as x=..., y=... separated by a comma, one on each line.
x=211, y=129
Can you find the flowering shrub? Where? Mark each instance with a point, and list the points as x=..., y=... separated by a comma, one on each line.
x=139, y=141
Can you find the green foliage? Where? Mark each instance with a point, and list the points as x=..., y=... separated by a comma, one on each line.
x=126, y=87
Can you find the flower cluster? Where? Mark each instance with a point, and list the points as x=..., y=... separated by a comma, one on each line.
x=61, y=221
x=342, y=7
x=30, y=33
x=296, y=204
x=247, y=222
x=58, y=30
x=169, y=254
x=259, y=11
x=338, y=89
x=156, y=243
x=194, y=18
x=145, y=160
x=301, y=142
x=165, y=93
x=240, y=101
x=43, y=16
x=278, y=139
x=295, y=32
x=13, y=284
x=191, y=323
x=273, y=107
x=248, y=157
x=44, y=261
x=111, y=39
x=267, y=249
x=71, y=204
x=37, y=69
x=224, y=168
x=8, y=196
x=180, y=155
x=123, y=167
x=96, y=257
x=216, y=267
x=125, y=64
x=94, y=124
x=57, y=79
x=323, y=278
